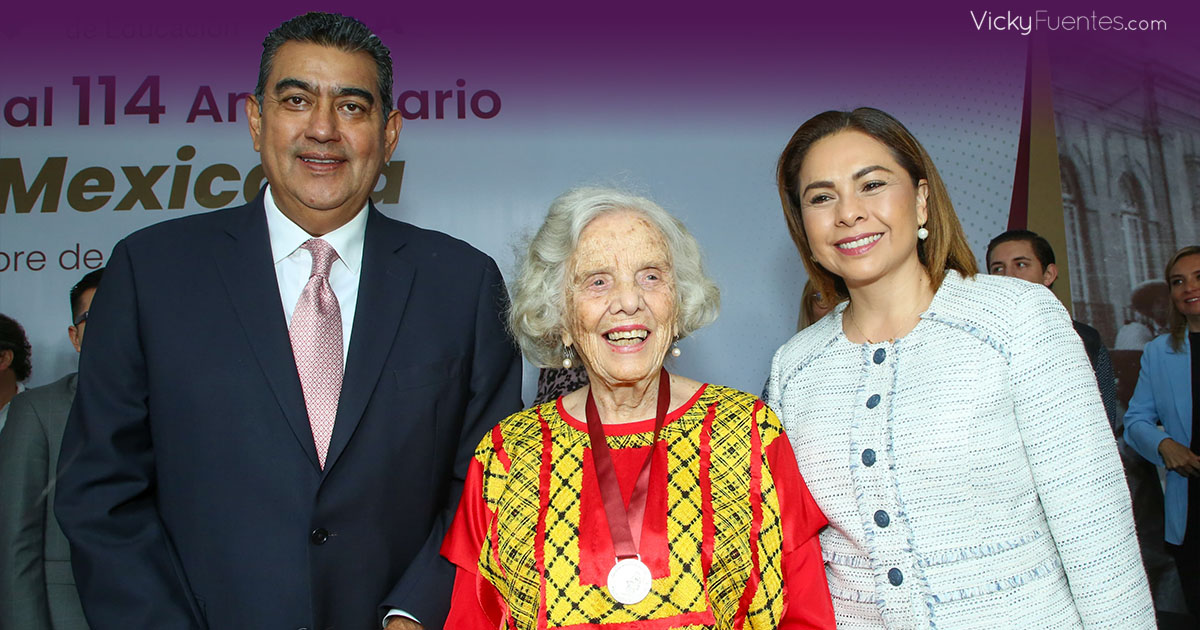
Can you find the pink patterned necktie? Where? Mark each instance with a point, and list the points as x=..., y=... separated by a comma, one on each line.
x=316, y=334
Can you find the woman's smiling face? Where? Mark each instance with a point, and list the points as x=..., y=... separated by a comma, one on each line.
x=1184, y=280
x=860, y=208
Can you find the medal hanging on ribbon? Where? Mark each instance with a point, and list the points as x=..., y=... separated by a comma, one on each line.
x=629, y=581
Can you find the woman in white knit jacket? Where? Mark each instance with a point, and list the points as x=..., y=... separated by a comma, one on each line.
x=948, y=424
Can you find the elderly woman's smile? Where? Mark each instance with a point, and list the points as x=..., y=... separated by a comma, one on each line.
x=620, y=297
x=626, y=336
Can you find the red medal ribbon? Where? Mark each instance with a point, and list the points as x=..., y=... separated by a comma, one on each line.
x=625, y=526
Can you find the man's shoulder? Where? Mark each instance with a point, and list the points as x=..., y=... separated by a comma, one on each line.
x=51, y=393
x=194, y=227
x=1089, y=335
x=423, y=244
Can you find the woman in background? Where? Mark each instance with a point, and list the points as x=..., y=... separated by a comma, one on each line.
x=947, y=423
x=1166, y=391
x=812, y=306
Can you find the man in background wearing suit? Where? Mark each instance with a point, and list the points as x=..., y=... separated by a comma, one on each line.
x=15, y=362
x=37, y=591
x=278, y=402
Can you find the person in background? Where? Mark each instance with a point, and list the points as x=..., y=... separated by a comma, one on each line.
x=948, y=423
x=16, y=364
x=1027, y=255
x=1147, y=309
x=812, y=306
x=554, y=382
x=1166, y=392
x=645, y=499
x=37, y=589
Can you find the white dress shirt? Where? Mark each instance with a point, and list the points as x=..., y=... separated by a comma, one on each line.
x=293, y=264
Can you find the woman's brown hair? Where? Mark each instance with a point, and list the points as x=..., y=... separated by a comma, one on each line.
x=945, y=248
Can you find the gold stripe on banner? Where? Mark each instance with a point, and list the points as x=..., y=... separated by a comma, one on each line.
x=1045, y=208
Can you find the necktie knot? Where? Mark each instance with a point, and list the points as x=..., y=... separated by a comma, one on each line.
x=323, y=255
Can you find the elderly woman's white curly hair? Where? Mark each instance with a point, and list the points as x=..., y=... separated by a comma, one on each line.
x=537, y=316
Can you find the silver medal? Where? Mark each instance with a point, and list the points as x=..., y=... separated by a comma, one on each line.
x=629, y=581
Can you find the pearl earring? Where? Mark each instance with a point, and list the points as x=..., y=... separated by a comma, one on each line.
x=567, y=363
x=675, y=351
x=922, y=233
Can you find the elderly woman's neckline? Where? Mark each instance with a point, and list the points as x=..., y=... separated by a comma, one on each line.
x=636, y=406
x=641, y=425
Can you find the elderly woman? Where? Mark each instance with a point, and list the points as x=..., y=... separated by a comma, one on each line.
x=645, y=499
x=948, y=424
x=1166, y=393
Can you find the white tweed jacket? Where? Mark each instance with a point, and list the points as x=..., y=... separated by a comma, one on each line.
x=967, y=469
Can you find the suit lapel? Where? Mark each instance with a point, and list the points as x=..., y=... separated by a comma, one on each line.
x=383, y=288
x=249, y=275
x=63, y=403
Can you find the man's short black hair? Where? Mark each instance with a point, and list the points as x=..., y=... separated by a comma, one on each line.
x=89, y=281
x=328, y=29
x=12, y=337
x=1041, y=247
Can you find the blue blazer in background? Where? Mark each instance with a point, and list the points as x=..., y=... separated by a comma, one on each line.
x=1164, y=395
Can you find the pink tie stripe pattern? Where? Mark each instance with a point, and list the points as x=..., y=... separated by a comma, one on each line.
x=316, y=334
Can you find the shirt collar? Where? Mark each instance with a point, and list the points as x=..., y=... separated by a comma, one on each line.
x=287, y=237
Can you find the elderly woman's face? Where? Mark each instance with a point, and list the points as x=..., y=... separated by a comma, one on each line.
x=620, y=298
x=860, y=208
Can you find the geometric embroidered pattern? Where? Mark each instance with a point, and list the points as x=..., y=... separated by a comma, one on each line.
x=316, y=334
x=724, y=573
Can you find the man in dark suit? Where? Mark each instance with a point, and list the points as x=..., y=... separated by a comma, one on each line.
x=37, y=590
x=221, y=468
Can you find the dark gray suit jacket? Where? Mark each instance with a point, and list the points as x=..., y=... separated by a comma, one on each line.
x=37, y=590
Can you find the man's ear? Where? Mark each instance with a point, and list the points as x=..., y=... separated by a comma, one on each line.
x=254, y=119
x=1050, y=275
x=75, y=337
x=6, y=359
x=391, y=132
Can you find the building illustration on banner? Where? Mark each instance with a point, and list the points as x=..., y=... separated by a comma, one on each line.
x=1129, y=156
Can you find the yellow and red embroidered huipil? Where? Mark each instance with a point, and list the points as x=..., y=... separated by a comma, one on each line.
x=729, y=534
